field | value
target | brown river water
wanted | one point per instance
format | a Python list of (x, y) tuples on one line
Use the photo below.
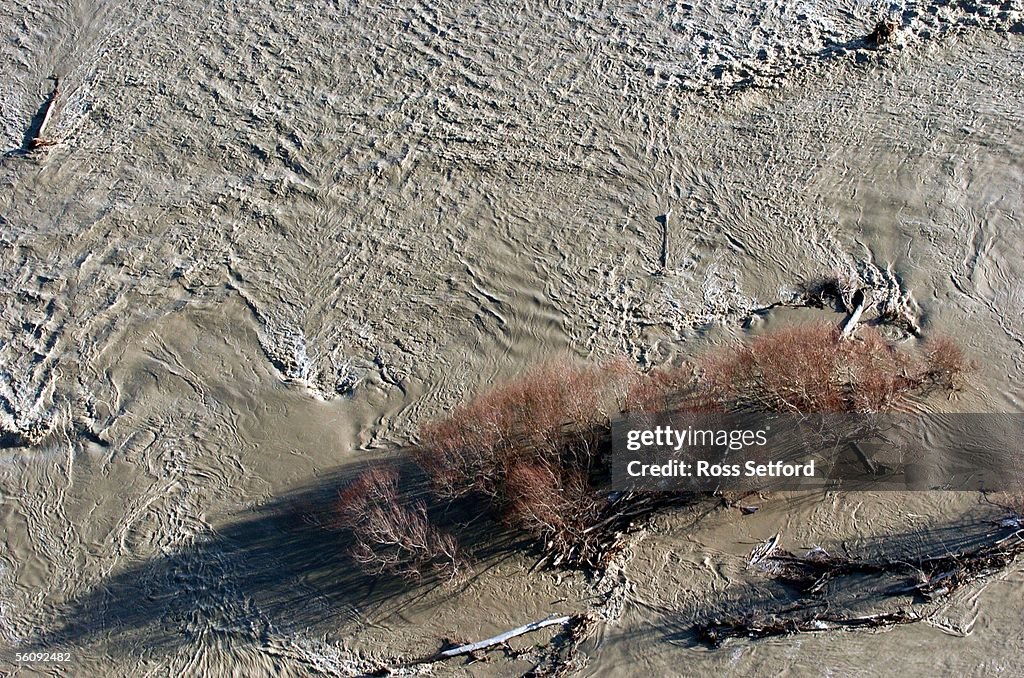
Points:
[(273, 238)]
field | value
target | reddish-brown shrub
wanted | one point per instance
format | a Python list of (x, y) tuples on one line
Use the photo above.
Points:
[(459, 453), (661, 389), (389, 536), (529, 448), (812, 369), (552, 501), (788, 370), (947, 365), (551, 412), (878, 376)]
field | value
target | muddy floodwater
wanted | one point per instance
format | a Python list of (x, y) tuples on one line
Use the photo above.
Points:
[(271, 239)]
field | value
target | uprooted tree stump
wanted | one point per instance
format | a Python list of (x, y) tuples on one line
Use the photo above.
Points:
[(883, 33)]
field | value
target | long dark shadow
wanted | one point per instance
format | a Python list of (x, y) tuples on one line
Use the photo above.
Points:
[(286, 565)]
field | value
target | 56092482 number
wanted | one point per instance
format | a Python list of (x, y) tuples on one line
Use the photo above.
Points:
[(42, 656)]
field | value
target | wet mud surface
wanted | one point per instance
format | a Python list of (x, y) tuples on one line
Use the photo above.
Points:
[(270, 241)]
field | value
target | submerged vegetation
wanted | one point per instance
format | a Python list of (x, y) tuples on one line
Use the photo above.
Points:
[(391, 536), (531, 458), (532, 453), (813, 369)]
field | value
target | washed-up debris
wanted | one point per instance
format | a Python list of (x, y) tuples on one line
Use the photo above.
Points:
[(925, 579)]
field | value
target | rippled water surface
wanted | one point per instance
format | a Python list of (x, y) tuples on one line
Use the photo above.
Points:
[(273, 238)]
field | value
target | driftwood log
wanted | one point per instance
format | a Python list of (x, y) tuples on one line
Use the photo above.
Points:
[(502, 638), (861, 300), (716, 633), (664, 239), (40, 139), (928, 578), (574, 624), (925, 579)]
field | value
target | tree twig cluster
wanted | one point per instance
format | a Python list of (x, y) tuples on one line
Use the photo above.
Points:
[(390, 535)]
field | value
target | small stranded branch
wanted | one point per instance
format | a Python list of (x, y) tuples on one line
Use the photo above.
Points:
[(663, 259), (39, 139)]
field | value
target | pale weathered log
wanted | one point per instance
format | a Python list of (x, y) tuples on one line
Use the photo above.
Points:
[(40, 139), (503, 637), (851, 324)]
